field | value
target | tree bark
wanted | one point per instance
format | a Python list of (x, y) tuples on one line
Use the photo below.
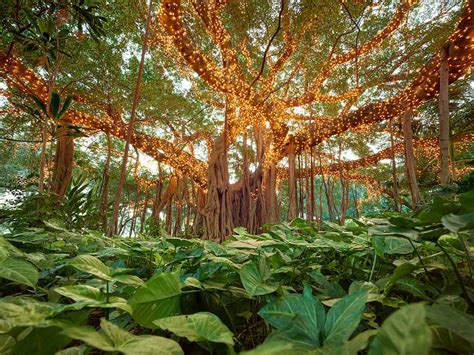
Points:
[(130, 129), (144, 211), (292, 198), (444, 117), (218, 222), (63, 160), (104, 198), (410, 166), (396, 201)]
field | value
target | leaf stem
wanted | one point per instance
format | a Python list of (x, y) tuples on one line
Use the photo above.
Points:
[(373, 266), (458, 275)]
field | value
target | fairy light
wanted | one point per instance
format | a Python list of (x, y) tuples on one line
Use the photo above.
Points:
[(260, 104)]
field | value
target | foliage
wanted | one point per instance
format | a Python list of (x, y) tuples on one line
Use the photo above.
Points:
[(76, 210), (396, 285)]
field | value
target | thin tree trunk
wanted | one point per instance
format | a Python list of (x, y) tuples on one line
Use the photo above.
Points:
[(44, 131), (134, 213), (312, 205), (130, 128), (104, 198), (145, 208), (444, 116), (44, 136), (394, 168), (293, 200), (410, 158), (63, 160), (356, 205)]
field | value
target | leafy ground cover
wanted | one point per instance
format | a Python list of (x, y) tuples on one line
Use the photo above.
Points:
[(395, 284)]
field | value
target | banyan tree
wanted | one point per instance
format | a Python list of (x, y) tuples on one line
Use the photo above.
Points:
[(273, 79)]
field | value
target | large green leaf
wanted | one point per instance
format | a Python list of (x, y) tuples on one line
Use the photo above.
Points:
[(128, 279), (256, 278), (391, 245), (447, 317), (412, 286), (158, 298), (446, 339), (467, 201), (41, 341), (24, 312), (457, 223), (19, 271), (344, 317), (401, 271), (55, 101), (94, 297), (390, 230), (200, 326), (280, 347), (113, 338), (277, 347), (405, 332), (298, 318), (7, 343), (351, 347), (91, 265), (65, 107)]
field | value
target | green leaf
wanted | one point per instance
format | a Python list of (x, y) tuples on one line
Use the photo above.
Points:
[(280, 347), (351, 347), (94, 297), (39, 104), (298, 318), (344, 317), (19, 271), (202, 326), (448, 340), (114, 338), (402, 221), (55, 101), (255, 277), (457, 223), (7, 343), (128, 279), (441, 206), (389, 230), (66, 105), (41, 341), (447, 317), (24, 312), (158, 298), (412, 286), (391, 245), (467, 201), (398, 273), (75, 350), (90, 264), (405, 332), (90, 336)]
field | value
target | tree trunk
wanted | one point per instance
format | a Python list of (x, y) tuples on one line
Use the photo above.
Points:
[(410, 167), (104, 198), (44, 136), (144, 211), (292, 198), (270, 199), (63, 160), (218, 210), (130, 129), (394, 168), (444, 116)]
